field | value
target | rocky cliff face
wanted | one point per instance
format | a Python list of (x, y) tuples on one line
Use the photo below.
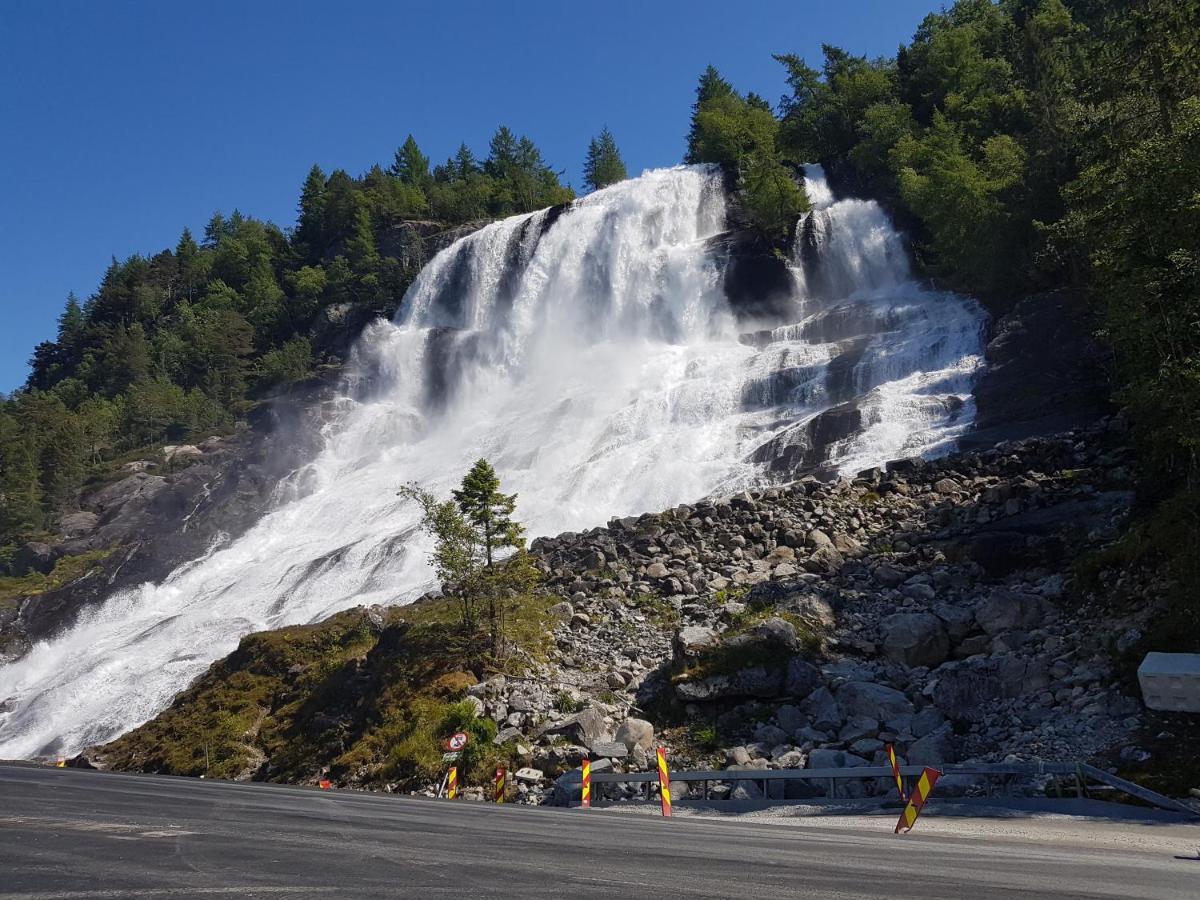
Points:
[(168, 508), (928, 605)]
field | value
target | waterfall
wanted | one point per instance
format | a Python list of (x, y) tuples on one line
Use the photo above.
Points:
[(591, 355)]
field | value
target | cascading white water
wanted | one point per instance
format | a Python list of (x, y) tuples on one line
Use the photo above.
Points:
[(592, 357)]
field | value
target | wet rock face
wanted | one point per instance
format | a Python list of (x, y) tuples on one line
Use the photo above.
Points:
[(169, 508), (1045, 373)]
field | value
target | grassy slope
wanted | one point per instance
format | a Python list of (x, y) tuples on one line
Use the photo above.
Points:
[(366, 695)]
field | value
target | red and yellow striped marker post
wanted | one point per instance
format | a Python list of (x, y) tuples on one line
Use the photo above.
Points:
[(452, 784), (585, 796), (920, 794), (500, 785), (664, 782), (896, 771)]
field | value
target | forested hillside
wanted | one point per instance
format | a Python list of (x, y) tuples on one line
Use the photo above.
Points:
[(185, 341)]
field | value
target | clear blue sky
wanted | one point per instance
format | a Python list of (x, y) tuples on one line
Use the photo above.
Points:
[(122, 121)]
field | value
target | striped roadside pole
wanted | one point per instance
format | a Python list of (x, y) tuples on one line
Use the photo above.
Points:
[(664, 782), (500, 785), (920, 794), (452, 785), (585, 796), (896, 771)]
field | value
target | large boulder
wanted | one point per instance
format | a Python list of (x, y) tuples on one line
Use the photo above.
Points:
[(834, 759), (824, 711), (585, 727), (876, 701), (801, 678), (934, 749), (1006, 610), (963, 689), (636, 733), (692, 641), (915, 639)]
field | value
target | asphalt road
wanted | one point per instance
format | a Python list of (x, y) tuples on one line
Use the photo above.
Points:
[(78, 834)]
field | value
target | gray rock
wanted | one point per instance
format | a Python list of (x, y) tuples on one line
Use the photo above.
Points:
[(529, 775), (77, 524), (756, 681), (859, 727), (636, 733), (504, 735), (866, 698), (790, 718), (927, 720), (915, 639), (834, 759), (610, 749), (957, 620), (934, 749), (702, 689), (562, 611), (770, 735), (825, 561), (918, 591), (585, 727), (746, 790), (779, 632), (888, 576), (801, 678), (657, 570), (1005, 610), (692, 640), (823, 709)]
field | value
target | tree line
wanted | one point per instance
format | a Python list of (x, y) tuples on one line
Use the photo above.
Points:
[(186, 341)]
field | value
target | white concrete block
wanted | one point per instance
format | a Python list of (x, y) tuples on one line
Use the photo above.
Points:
[(1171, 681)]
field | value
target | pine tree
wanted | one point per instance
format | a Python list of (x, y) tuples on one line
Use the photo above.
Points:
[(711, 87), (603, 165), (464, 162), (481, 501), (502, 153), (411, 165), (71, 323), (308, 237)]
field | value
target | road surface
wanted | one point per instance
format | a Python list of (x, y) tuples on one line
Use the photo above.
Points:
[(68, 833)]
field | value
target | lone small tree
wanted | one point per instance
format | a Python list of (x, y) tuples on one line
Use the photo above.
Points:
[(479, 550)]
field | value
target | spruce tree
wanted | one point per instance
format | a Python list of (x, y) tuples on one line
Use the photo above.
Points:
[(489, 510), (603, 165), (411, 165), (310, 228), (711, 87)]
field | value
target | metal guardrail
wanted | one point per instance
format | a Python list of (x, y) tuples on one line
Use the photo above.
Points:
[(1078, 772)]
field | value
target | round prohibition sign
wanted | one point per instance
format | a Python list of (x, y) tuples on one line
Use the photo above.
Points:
[(457, 742)]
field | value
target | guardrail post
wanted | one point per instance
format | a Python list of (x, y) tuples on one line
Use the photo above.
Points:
[(664, 782), (585, 787)]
